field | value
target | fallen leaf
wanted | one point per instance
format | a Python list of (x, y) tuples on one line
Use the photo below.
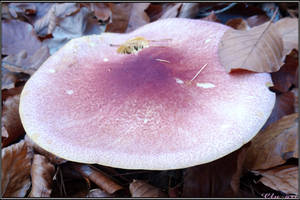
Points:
[(139, 188), (295, 91), (51, 157), (46, 24), (287, 76), (284, 105), (238, 24), (154, 11), (73, 26), (171, 11), (219, 178), (15, 170), (189, 10), (120, 17), (96, 176), (101, 11), (42, 173), (212, 17), (18, 36), (11, 120), (283, 178), (259, 49), (138, 16), (96, 193), (21, 9), (21, 62), (257, 20), (274, 145), (288, 30), (11, 92)]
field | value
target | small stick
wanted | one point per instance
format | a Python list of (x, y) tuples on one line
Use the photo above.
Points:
[(198, 73)]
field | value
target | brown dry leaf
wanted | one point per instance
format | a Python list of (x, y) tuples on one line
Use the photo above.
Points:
[(139, 188), (42, 173), (120, 17), (15, 170), (101, 11), (51, 157), (257, 20), (238, 24), (288, 30), (18, 36), (172, 10), (219, 178), (284, 105), (295, 91), (21, 9), (11, 120), (283, 178), (189, 10), (21, 62), (138, 16), (96, 176), (287, 76), (96, 193), (46, 24), (11, 92), (259, 49), (274, 145), (212, 17)]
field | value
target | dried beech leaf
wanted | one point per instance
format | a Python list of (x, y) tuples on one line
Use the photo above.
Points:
[(219, 178), (238, 24), (42, 173), (171, 11), (11, 120), (94, 193), (288, 30), (257, 20), (284, 105), (11, 92), (140, 189), (120, 17), (101, 11), (98, 178), (284, 179), (19, 9), (274, 145), (295, 91), (287, 75), (189, 10), (138, 16), (21, 62), (15, 170), (212, 17), (18, 36), (259, 49), (51, 157), (47, 23)]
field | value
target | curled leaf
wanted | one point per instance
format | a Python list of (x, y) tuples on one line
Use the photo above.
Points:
[(238, 23), (274, 145), (138, 16), (96, 176), (258, 49), (284, 179), (11, 121), (42, 173), (140, 189), (288, 30), (15, 170)]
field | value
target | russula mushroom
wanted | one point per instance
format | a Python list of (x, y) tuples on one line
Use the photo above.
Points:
[(90, 104)]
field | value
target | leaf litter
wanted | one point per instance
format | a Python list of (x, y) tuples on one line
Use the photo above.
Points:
[(47, 26)]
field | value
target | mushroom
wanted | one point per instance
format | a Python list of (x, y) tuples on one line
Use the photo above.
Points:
[(168, 106)]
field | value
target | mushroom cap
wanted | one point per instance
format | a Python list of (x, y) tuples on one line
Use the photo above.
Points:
[(87, 103)]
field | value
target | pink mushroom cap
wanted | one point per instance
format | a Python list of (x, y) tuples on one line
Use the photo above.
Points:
[(89, 104)]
